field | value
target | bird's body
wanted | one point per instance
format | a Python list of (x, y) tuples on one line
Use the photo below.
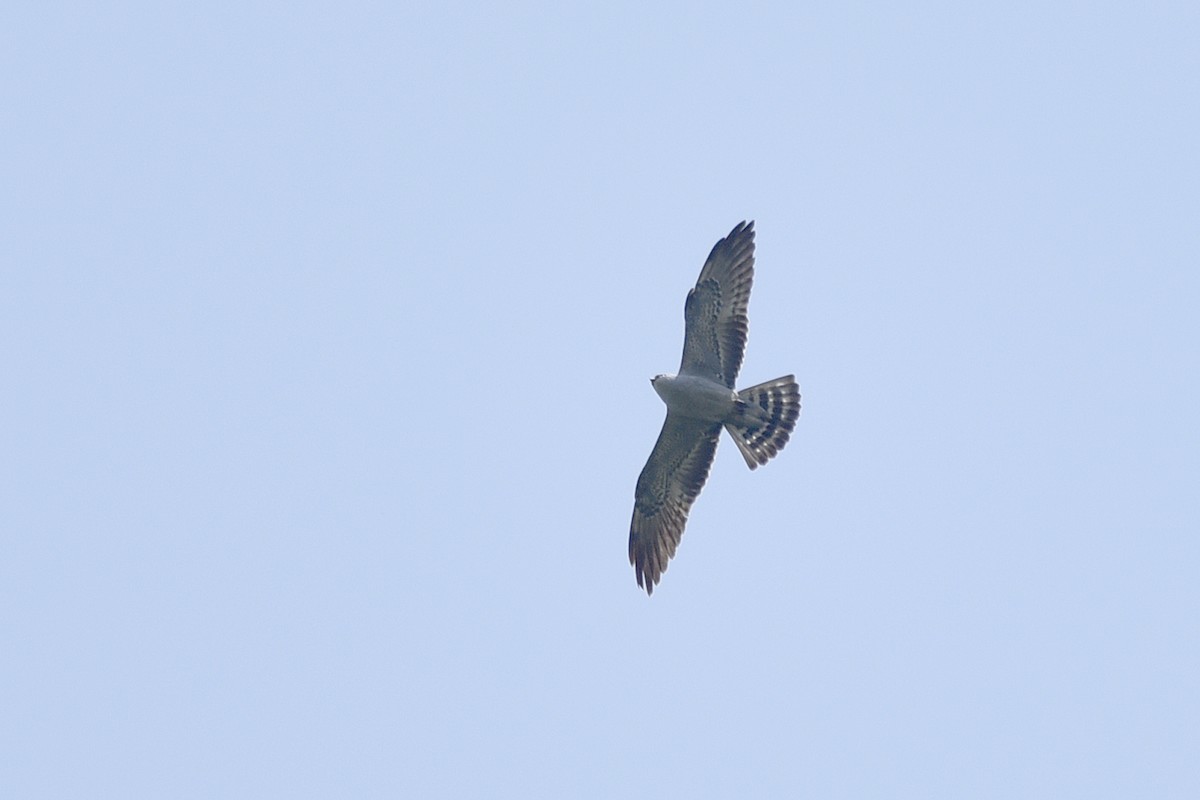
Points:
[(696, 396), (700, 400)]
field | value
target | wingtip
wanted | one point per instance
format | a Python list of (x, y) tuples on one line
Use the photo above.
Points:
[(745, 226), (641, 569), (645, 581)]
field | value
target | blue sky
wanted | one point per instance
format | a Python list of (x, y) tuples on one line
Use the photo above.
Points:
[(327, 335)]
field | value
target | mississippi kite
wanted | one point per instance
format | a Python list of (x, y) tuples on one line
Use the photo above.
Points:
[(701, 400)]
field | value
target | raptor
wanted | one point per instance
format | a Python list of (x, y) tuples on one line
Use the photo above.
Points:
[(701, 400)]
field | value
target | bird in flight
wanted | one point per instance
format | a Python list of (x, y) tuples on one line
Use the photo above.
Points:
[(701, 400)]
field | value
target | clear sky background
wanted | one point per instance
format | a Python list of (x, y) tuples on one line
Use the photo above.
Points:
[(327, 331)]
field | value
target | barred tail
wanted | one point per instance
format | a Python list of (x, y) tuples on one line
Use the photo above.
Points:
[(764, 419)]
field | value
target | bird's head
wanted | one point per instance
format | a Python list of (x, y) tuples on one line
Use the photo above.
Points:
[(662, 383)]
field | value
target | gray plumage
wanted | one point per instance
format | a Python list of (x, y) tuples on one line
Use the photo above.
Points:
[(700, 401)]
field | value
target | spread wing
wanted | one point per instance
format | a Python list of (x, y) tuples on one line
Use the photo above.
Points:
[(715, 314), (669, 483)]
